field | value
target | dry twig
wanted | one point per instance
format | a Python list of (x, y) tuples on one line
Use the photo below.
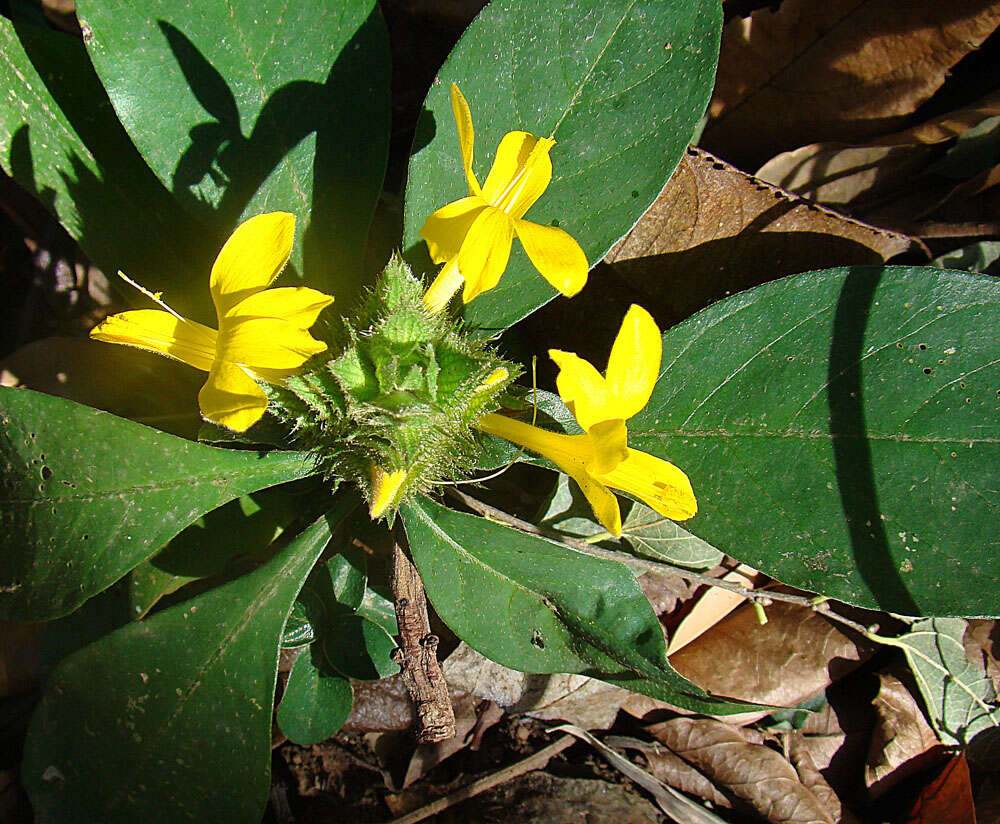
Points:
[(417, 652)]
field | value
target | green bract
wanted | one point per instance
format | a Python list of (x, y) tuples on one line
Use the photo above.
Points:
[(401, 395)]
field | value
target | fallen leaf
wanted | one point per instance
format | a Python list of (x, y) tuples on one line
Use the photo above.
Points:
[(714, 605), (801, 757), (715, 230), (678, 807), (903, 743), (753, 773), (380, 706), (834, 70), (793, 656), (580, 700), (673, 770), (982, 646), (947, 798), (839, 174)]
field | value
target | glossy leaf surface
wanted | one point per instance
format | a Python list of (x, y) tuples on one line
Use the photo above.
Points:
[(619, 84), (250, 107), (316, 702), (841, 429), (540, 607), (86, 496), (168, 719)]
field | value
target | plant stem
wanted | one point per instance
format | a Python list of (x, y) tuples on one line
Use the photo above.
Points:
[(417, 652)]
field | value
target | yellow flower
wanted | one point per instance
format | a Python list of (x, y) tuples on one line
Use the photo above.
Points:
[(601, 458), (262, 332), (473, 235)]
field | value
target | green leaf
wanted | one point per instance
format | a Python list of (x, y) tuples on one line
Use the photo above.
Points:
[(841, 429), (315, 703), (204, 549), (540, 607), (619, 84), (243, 108), (960, 696), (168, 719), (86, 496), (61, 141), (353, 645), (976, 257), (651, 534)]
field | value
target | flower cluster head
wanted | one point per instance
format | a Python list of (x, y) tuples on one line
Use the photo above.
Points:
[(262, 332), (393, 406), (600, 459), (473, 236)]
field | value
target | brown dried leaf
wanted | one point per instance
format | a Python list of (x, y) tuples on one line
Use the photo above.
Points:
[(673, 770), (794, 655), (802, 757), (715, 230), (834, 70), (838, 174), (713, 605), (982, 645), (583, 701), (903, 743), (380, 706), (753, 773)]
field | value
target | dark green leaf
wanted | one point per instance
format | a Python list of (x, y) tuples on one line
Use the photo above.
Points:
[(86, 496), (315, 703), (540, 607), (168, 719), (60, 139), (240, 527), (243, 108), (353, 646), (842, 432), (619, 84), (298, 630)]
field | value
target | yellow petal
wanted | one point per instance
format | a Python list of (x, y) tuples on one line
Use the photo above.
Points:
[(601, 500), (582, 388), (251, 259), (520, 173), (385, 489), (655, 482), (445, 286), (555, 254), (299, 305), (609, 441), (446, 229), (466, 137), (267, 343), (634, 364), (571, 453), (485, 253), (157, 331), (231, 398)]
